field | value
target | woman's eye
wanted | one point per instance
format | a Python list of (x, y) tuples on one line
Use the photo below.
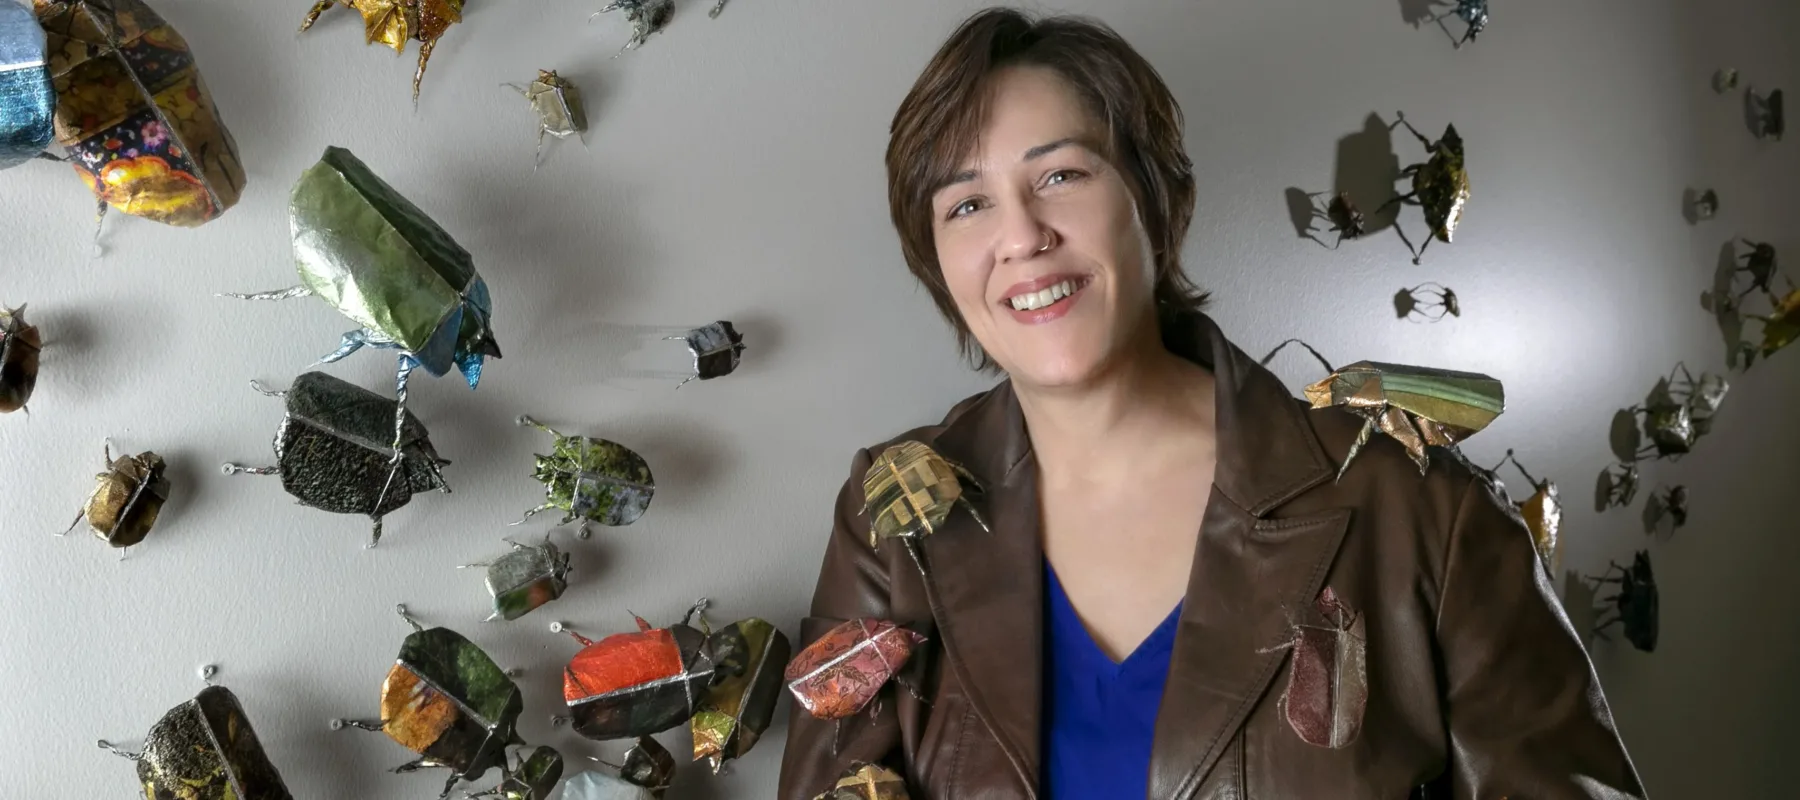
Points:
[(1061, 176), (964, 208)]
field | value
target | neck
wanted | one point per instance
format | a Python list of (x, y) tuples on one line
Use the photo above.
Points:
[(1148, 404)]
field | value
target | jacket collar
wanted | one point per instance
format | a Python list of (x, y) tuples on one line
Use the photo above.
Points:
[(986, 590)]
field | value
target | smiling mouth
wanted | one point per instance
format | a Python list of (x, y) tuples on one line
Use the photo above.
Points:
[(1046, 297)]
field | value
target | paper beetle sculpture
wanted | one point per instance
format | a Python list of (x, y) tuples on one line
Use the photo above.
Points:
[(533, 779), (1328, 683), (592, 480), (447, 701), (1678, 412), (646, 17), (1417, 406), (735, 712), (716, 348), (1473, 13), (330, 453), (1770, 117), (379, 260), (1703, 397), (19, 346), (1705, 205), (867, 782), (126, 498), (134, 115), (526, 578), (637, 684), (841, 673), (1724, 80), (1635, 604), (1780, 327), (205, 749), (909, 491), (395, 22), (645, 775), (1428, 300), (1760, 263), (27, 100), (1346, 219), (1671, 503), (1621, 487), (1440, 187), (1542, 512), (557, 104)]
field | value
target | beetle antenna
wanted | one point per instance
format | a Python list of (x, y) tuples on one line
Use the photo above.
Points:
[(1309, 348), (407, 615), (265, 391)]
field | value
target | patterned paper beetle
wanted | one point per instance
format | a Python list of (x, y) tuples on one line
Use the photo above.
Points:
[(526, 578), (331, 455), (19, 346), (449, 702), (841, 673), (593, 480), (637, 684), (395, 22), (205, 749), (1440, 187), (909, 491), (126, 498)]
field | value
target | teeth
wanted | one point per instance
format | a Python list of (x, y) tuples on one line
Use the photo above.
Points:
[(1031, 301)]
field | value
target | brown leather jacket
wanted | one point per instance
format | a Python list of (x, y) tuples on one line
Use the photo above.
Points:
[(1477, 685)]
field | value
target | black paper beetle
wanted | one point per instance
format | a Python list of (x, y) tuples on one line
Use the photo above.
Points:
[(1634, 607), (1767, 111), (332, 450), (1347, 221), (1760, 263)]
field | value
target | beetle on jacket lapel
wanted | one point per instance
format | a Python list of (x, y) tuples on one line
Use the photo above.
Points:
[(909, 492), (1328, 683)]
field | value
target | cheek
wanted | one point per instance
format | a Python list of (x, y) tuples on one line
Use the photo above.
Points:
[(965, 271)]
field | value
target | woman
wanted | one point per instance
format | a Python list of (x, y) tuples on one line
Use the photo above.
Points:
[(1156, 610)]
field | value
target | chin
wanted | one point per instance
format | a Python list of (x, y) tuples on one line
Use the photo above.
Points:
[(1059, 368)]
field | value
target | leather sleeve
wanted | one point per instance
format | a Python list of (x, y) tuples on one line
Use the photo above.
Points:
[(853, 583), (1525, 711)]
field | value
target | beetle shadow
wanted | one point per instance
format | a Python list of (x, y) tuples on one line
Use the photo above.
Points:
[(1603, 485), (685, 457), (1367, 168), (1303, 212), (1623, 437), (1579, 603), (1722, 302), (1405, 303), (1690, 211), (1655, 510), (67, 335), (1417, 12), (187, 474), (1754, 108)]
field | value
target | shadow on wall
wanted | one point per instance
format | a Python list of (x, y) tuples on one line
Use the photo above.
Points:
[(1417, 12), (1723, 304), (1367, 168)]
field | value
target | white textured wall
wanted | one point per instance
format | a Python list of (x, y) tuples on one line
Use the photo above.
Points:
[(734, 171)]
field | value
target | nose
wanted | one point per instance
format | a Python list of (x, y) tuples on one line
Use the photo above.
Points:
[(1023, 235)]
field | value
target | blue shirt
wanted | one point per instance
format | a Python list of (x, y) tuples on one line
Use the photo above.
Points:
[(1099, 716)]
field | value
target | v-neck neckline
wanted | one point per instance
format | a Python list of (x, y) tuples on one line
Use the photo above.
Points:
[(1162, 636)]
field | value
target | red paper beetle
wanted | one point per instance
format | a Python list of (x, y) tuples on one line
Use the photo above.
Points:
[(635, 684), (839, 674)]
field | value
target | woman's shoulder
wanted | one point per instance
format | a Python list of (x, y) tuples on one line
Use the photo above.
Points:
[(1384, 473)]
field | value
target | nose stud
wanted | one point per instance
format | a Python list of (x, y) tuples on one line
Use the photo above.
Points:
[(1049, 239)]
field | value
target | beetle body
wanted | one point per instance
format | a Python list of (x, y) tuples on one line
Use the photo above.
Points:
[(840, 674), (534, 779), (395, 22), (646, 17), (867, 782), (592, 480), (126, 498), (331, 450), (910, 489), (557, 103), (526, 578), (737, 710), (638, 684), (1635, 606), (134, 115), (19, 347), (1440, 186), (449, 702), (205, 749), (1416, 406), (717, 349), (27, 98)]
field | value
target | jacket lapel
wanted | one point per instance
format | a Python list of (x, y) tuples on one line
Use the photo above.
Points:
[(986, 589), (1249, 572)]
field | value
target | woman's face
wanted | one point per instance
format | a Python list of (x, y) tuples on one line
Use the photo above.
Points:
[(1039, 238)]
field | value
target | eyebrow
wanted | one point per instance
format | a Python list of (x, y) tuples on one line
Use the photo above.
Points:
[(1032, 154)]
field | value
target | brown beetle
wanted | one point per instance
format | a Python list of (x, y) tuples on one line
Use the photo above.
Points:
[(19, 345), (124, 503)]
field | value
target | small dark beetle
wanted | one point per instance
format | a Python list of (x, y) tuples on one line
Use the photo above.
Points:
[(1771, 118), (1635, 604), (126, 499), (1346, 219), (533, 779), (716, 348), (332, 450), (1706, 205), (526, 578), (1760, 263), (1673, 502), (205, 749), (1473, 13), (19, 346), (1622, 486)]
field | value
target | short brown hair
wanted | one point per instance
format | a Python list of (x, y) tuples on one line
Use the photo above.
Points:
[(940, 121)]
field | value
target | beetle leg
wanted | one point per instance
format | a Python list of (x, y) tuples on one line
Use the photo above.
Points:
[(1409, 245), (1420, 253), (529, 514), (276, 294), (1362, 438), (361, 724), (117, 751), (232, 469), (449, 784), (976, 513), (313, 16), (78, 517), (1400, 119)]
